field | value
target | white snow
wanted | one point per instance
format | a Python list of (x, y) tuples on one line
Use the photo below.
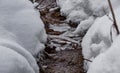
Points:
[(85, 7), (80, 11), (109, 61), (98, 40), (12, 62), (60, 2), (84, 25), (97, 11), (20, 18), (22, 36), (92, 15), (103, 7), (13, 57), (77, 16), (74, 9), (99, 32)]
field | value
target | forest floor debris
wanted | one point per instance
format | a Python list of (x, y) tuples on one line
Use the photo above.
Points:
[(65, 51)]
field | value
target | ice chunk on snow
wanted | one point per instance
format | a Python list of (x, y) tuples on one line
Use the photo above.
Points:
[(109, 61), (20, 18)]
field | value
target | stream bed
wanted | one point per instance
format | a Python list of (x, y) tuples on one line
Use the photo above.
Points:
[(65, 51)]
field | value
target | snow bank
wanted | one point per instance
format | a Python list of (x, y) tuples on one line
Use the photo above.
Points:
[(20, 18), (60, 2), (92, 15), (99, 32), (109, 61), (12, 62), (97, 11), (22, 36), (98, 38), (84, 25), (80, 11), (13, 57), (103, 7), (75, 10)]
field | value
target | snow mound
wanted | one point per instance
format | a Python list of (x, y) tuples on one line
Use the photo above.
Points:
[(22, 36), (84, 25), (97, 11), (21, 19), (98, 39), (100, 10), (99, 32), (13, 57), (109, 61), (75, 10), (80, 11), (12, 62), (60, 2), (77, 16)]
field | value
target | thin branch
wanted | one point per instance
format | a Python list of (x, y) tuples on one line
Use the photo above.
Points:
[(113, 15), (87, 60)]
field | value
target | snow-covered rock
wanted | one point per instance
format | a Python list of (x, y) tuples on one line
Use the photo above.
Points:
[(109, 61), (20, 18), (13, 57)]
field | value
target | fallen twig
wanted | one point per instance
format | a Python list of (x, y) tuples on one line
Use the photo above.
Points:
[(113, 15), (87, 60)]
